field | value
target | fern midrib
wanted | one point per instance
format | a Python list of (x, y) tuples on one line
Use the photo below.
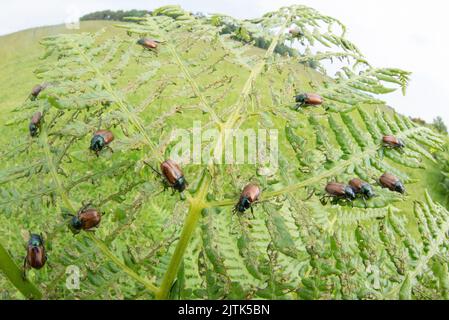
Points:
[(356, 158), (59, 187), (62, 192), (194, 85), (198, 202)]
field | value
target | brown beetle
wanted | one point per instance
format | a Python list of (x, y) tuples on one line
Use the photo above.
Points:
[(361, 187), (86, 219), (35, 123), (391, 182), (173, 175), (36, 90), (101, 139), (338, 191), (36, 256), (148, 43), (308, 99), (393, 142), (249, 195), (296, 33)]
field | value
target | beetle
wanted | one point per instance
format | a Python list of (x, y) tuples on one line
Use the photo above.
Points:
[(391, 182), (393, 142), (35, 123), (249, 195), (296, 32), (148, 43), (87, 218), (361, 187), (36, 90), (173, 175), (308, 99), (36, 256), (338, 191), (101, 139)]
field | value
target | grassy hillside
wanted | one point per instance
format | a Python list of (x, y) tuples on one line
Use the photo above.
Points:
[(293, 247), (20, 53)]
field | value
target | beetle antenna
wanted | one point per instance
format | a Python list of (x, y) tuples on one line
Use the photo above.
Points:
[(152, 168), (26, 99)]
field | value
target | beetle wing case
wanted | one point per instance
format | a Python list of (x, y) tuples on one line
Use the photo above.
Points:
[(389, 181), (90, 218), (335, 189), (392, 141), (36, 118), (106, 134), (314, 99), (171, 171), (36, 257), (356, 184), (252, 192)]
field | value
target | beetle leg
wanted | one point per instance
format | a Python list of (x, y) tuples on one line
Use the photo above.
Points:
[(85, 206), (182, 196), (67, 215), (310, 195), (323, 200)]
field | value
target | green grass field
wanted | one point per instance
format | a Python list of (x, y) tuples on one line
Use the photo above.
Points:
[(294, 247)]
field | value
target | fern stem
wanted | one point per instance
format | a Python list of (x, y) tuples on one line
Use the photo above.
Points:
[(14, 274), (186, 234), (196, 207)]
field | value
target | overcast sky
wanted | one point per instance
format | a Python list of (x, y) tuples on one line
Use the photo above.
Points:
[(408, 34)]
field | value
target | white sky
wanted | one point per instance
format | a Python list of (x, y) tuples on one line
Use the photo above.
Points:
[(408, 34)]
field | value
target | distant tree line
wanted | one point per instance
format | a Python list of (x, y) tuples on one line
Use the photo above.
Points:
[(438, 124), (114, 15)]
